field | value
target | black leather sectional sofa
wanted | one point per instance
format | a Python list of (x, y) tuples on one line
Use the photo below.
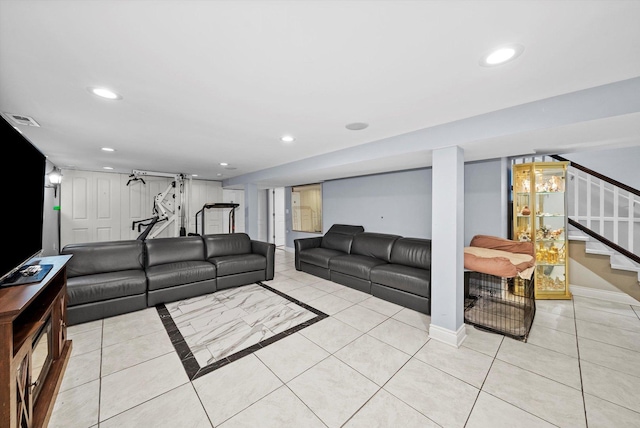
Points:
[(111, 278), (391, 267)]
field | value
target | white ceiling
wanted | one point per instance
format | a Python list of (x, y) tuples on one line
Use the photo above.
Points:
[(205, 82)]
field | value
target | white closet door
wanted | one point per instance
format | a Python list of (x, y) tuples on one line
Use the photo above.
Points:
[(90, 207), (97, 207), (206, 192)]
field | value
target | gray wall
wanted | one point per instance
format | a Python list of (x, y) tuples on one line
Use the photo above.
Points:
[(397, 203), (400, 202), (619, 164), (486, 195)]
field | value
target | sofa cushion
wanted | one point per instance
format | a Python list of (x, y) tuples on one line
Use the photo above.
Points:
[(170, 250), (354, 265), (319, 256), (105, 286), (225, 244), (100, 257), (377, 245), (340, 236), (179, 273), (230, 265), (412, 252), (410, 279)]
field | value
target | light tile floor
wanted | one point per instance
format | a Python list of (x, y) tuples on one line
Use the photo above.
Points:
[(370, 364)]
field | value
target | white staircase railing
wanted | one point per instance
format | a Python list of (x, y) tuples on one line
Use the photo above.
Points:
[(606, 209)]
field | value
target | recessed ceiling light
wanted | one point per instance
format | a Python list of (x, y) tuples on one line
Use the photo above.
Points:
[(108, 149), (223, 164), (219, 175), (107, 167), (194, 175), (105, 93), (501, 55), (357, 126), (287, 139)]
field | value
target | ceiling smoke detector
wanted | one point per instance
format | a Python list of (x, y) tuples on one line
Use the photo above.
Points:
[(357, 126), (21, 119)]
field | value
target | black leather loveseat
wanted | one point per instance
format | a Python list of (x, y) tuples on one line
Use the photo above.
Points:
[(391, 267), (111, 278)]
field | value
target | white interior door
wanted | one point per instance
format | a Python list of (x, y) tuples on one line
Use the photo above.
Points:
[(263, 215), (279, 222), (90, 207)]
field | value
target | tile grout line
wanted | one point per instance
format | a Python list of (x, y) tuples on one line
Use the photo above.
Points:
[(100, 372), (286, 384), (333, 355), (599, 309), (607, 325), (541, 375), (412, 356), (146, 401), (580, 363), (380, 387), (475, 401), (495, 357), (584, 403), (612, 369), (201, 403)]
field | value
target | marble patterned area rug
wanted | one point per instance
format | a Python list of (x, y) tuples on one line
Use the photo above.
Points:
[(213, 330)]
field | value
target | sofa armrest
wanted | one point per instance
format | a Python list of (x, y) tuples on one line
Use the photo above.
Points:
[(304, 244), (269, 251)]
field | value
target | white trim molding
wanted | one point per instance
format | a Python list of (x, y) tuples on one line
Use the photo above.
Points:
[(609, 296), (450, 337)]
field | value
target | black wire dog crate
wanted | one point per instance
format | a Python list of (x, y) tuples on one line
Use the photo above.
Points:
[(501, 305)]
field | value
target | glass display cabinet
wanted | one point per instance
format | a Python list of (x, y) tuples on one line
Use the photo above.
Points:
[(540, 215)]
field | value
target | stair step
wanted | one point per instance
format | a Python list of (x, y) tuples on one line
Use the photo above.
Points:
[(574, 234), (595, 247), (577, 236), (619, 261)]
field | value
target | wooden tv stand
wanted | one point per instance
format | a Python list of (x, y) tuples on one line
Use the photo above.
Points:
[(24, 311)]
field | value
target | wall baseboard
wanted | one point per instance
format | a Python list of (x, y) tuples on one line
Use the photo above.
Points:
[(453, 338), (609, 296)]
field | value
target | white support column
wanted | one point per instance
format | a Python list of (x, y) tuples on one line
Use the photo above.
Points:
[(251, 210), (447, 238)]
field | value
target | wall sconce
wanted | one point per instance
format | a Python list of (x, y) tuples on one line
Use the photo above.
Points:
[(55, 178)]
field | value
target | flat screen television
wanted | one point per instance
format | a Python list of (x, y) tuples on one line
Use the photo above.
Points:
[(22, 213)]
